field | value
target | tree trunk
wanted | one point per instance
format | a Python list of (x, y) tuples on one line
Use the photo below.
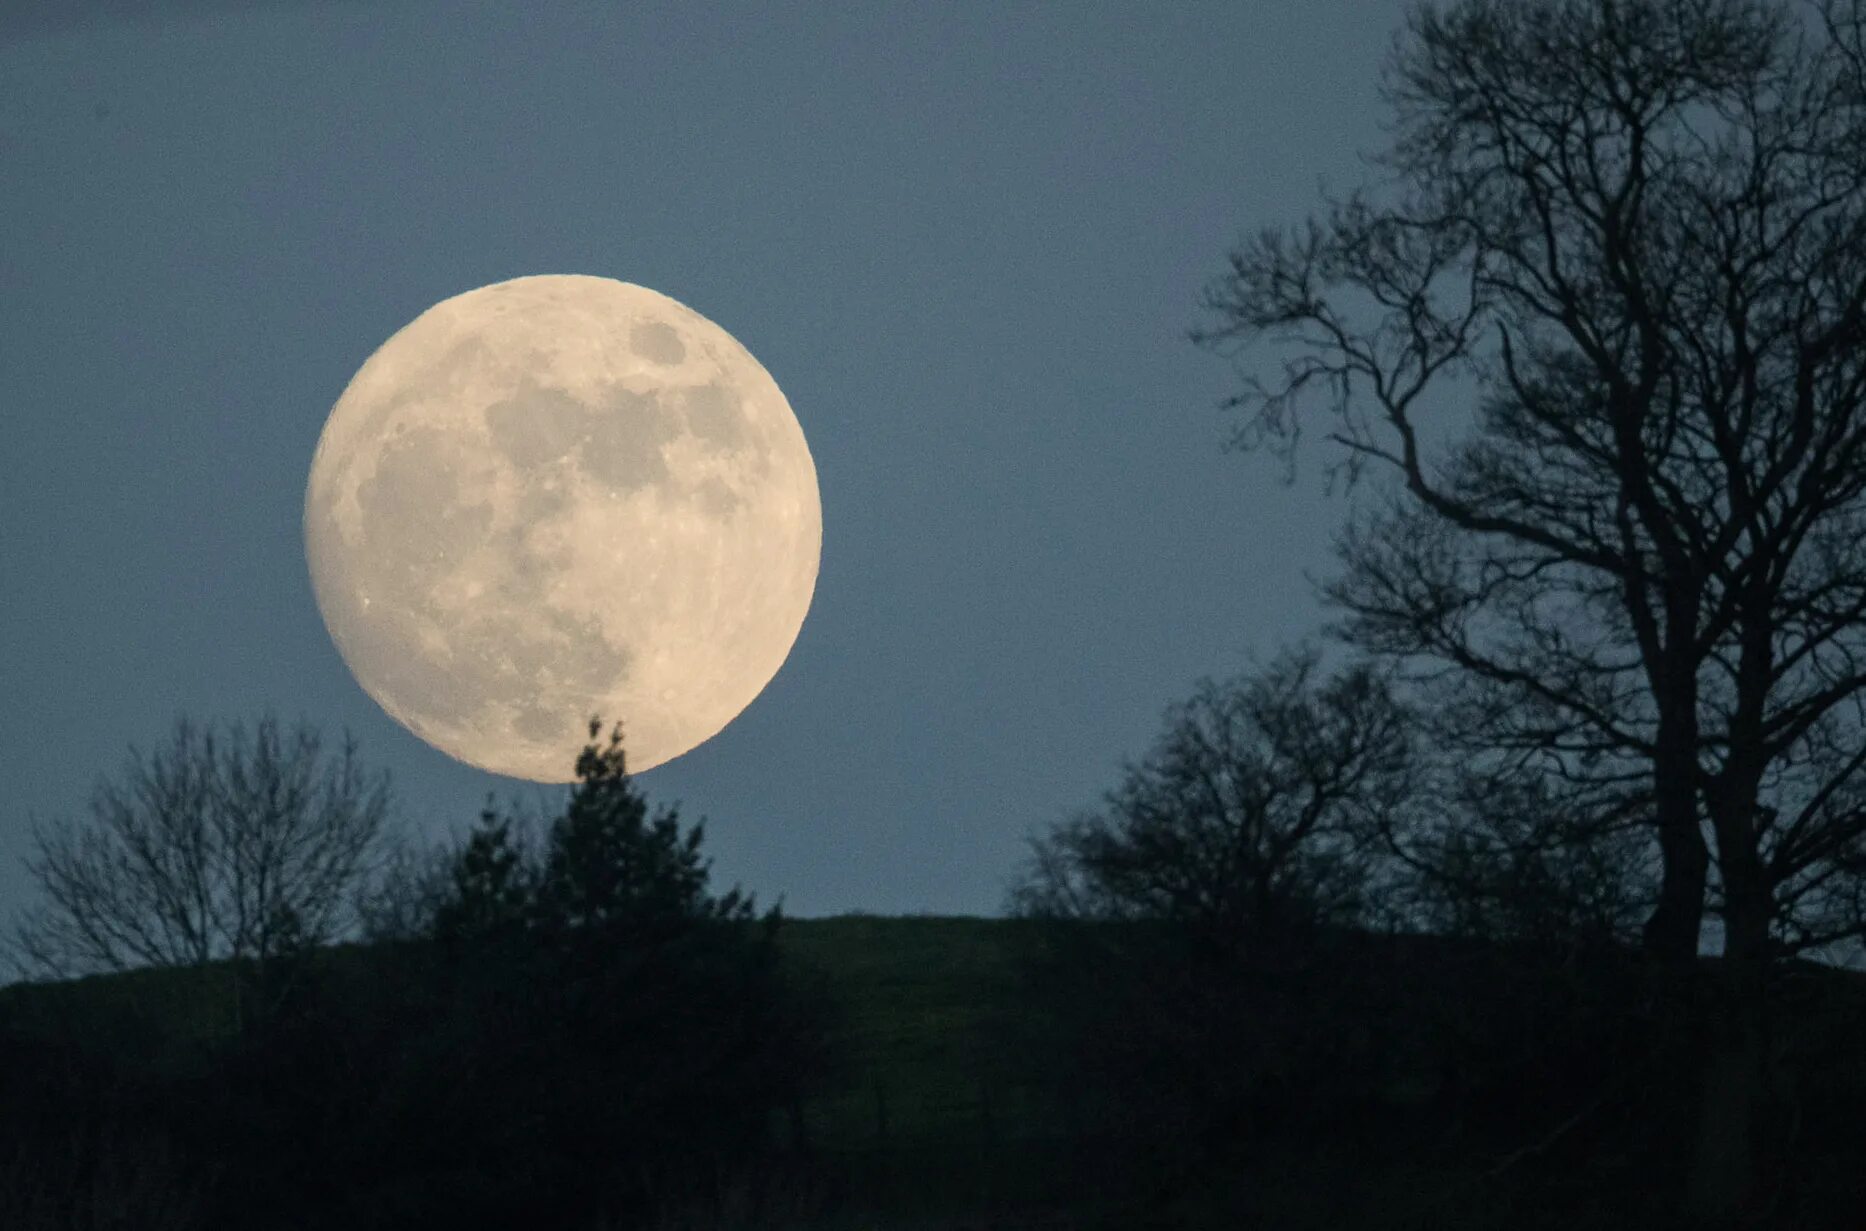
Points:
[(1672, 930), (1723, 1183)]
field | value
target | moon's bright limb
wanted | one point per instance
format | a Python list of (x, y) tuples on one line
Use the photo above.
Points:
[(555, 497)]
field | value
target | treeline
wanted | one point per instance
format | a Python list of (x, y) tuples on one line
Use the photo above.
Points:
[(1256, 986), (1304, 938), (555, 1025)]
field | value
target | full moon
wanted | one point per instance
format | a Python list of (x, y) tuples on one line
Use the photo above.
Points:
[(557, 497)]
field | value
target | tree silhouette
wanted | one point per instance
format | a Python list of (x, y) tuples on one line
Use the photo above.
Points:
[(489, 884), (612, 869), (1193, 926), (563, 1031), (1636, 228), (223, 844), (625, 1028), (1508, 856), (1249, 818)]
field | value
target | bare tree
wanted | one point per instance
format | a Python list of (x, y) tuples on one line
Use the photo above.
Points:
[(1638, 227), (1501, 854), (1251, 815), (1197, 947), (401, 896), (229, 844)]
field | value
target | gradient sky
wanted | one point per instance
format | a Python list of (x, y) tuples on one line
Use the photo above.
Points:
[(966, 239)]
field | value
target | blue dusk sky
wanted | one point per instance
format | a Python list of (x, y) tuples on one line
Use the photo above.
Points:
[(967, 240)]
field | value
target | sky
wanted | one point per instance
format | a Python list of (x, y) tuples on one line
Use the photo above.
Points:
[(967, 240)]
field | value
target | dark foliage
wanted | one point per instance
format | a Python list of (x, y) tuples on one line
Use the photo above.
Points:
[(1600, 331), (227, 843), (1229, 970), (1192, 927), (582, 1034)]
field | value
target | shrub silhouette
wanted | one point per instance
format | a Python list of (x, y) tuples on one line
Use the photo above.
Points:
[(582, 1030)]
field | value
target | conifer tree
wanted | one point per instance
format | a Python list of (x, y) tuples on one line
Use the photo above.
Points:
[(490, 884), (611, 869)]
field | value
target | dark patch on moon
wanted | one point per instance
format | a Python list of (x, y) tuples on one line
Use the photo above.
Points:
[(419, 527), (464, 363), (416, 518), (716, 498), (498, 658), (657, 342), (537, 425), (716, 418), (526, 643), (531, 567), (541, 725), (541, 496), (627, 431), (616, 439), (512, 657)]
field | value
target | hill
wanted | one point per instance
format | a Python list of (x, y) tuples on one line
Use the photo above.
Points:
[(939, 1107)]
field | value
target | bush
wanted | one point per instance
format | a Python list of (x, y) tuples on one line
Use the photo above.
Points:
[(579, 1016)]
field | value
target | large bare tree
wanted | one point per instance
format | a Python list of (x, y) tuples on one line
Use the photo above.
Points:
[(1631, 236), (221, 844)]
